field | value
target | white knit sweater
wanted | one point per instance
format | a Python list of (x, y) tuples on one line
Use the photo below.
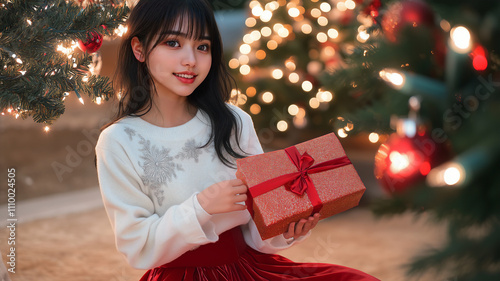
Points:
[(149, 177)]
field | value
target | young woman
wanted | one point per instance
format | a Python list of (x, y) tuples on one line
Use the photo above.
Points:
[(166, 164)]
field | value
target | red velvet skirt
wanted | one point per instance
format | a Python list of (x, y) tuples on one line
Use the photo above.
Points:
[(232, 260)]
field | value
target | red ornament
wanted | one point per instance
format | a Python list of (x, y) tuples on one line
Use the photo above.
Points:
[(373, 9), (92, 44), (479, 60), (402, 161), (409, 12)]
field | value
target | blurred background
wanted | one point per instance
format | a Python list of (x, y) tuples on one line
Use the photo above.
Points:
[(410, 87)]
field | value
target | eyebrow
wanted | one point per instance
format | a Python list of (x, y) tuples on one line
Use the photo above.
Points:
[(177, 33)]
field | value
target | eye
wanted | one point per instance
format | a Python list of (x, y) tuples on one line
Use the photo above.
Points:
[(172, 43), (204, 47)]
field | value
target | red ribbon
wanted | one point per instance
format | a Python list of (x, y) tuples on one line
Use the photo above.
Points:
[(297, 182)]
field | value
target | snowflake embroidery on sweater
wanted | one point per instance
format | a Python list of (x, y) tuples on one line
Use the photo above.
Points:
[(130, 132), (159, 167), (190, 150)]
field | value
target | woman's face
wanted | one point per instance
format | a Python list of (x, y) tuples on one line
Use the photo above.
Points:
[(179, 64)]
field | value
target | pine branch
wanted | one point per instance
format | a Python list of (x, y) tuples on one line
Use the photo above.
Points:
[(36, 75)]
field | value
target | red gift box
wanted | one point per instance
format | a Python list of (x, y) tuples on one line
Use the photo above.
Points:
[(290, 184)]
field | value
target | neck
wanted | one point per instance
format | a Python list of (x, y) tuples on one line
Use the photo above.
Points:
[(167, 112)]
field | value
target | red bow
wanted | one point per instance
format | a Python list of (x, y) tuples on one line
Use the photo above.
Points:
[(300, 184)]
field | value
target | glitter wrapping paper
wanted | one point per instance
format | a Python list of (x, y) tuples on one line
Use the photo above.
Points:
[(339, 189)]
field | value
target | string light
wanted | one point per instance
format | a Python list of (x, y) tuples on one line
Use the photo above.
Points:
[(266, 31), (341, 6), (363, 36), (67, 50), (245, 69), (395, 78), (257, 11), (253, 4), (294, 12), (251, 91), (267, 97), (324, 96), (242, 99), (448, 174), (293, 77), (290, 65), (282, 126), (248, 39), (479, 60), (98, 100), (325, 7), (234, 63), (271, 6), (349, 4), (461, 39), (293, 110), (445, 25), (272, 45), (245, 49), (306, 28), (314, 103), (120, 30), (266, 16), (349, 127), (277, 74), (260, 54), (399, 161), (341, 133), (322, 37), (46, 129), (250, 22), (315, 12), (323, 21), (255, 109), (283, 32), (243, 59), (307, 86), (255, 35), (374, 137), (300, 122)]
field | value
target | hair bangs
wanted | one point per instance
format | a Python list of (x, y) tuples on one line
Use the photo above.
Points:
[(199, 23)]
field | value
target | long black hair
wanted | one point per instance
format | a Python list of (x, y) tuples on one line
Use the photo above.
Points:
[(150, 21)]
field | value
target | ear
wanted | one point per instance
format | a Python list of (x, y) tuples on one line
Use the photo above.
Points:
[(137, 49)]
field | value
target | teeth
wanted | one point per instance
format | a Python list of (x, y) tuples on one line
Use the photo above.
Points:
[(185, 76)]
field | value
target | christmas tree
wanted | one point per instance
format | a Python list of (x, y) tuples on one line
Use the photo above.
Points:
[(39, 53), (422, 78), (287, 47)]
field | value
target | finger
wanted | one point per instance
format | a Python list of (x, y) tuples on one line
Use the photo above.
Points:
[(240, 198), (300, 226), (238, 207), (316, 219), (291, 230), (236, 182), (307, 226), (240, 189)]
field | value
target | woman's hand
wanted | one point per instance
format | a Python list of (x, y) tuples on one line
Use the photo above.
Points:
[(302, 227), (223, 197)]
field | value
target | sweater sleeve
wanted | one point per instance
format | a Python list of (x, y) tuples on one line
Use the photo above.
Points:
[(146, 239), (250, 231)]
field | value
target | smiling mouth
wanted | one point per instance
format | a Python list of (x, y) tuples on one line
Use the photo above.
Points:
[(186, 76)]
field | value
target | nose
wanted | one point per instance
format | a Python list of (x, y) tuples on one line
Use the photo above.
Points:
[(188, 57)]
